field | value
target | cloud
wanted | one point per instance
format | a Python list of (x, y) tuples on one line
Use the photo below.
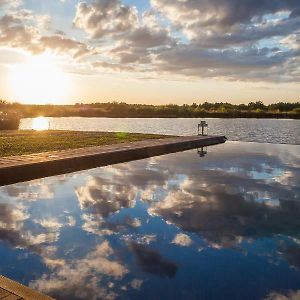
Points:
[(150, 261), (37, 189), (144, 239), (105, 17), (292, 295), (63, 45), (10, 3), (182, 239), (257, 64), (235, 28), (133, 41), (14, 232), (221, 14), (103, 199), (51, 224), (229, 40), (136, 284), (22, 30), (80, 278)]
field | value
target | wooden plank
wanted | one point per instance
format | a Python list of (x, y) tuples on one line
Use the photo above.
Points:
[(12, 297), (21, 291), (3, 293)]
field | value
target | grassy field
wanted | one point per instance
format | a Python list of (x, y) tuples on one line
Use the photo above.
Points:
[(25, 142)]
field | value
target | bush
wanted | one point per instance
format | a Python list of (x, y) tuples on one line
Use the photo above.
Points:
[(296, 110), (9, 120)]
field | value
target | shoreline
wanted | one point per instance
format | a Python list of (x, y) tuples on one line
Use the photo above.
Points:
[(165, 117)]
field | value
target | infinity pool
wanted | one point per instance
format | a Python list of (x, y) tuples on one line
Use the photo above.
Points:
[(192, 225)]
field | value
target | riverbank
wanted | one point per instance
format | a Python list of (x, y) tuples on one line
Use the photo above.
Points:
[(20, 142)]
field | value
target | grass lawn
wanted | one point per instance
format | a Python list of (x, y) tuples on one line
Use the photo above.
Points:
[(24, 142)]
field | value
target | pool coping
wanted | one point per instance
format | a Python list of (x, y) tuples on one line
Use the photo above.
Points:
[(14, 169), (13, 290)]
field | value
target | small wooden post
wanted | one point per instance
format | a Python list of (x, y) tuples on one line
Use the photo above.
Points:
[(202, 125)]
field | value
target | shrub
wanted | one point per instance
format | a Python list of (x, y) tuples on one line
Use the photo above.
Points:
[(9, 120), (296, 110)]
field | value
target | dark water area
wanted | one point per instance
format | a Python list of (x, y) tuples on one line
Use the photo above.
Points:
[(275, 131), (192, 225)]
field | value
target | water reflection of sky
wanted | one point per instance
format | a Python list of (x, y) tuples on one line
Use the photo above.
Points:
[(178, 226)]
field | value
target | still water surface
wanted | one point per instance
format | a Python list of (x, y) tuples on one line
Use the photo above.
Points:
[(250, 130), (178, 226)]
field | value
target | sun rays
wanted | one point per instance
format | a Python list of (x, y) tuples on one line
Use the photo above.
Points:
[(39, 80)]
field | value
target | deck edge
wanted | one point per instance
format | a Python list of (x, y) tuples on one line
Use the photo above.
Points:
[(119, 153), (21, 290)]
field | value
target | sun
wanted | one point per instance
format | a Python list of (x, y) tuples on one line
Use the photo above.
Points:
[(38, 81)]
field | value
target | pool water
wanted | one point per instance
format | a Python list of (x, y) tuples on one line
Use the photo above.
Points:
[(225, 225)]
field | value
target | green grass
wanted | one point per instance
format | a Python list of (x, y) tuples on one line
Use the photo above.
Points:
[(26, 142)]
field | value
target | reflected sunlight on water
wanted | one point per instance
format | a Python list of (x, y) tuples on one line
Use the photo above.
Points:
[(249, 130), (40, 123)]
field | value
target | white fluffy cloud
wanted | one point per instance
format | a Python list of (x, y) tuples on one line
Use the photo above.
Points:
[(104, 17), (80, 277), (182, 239), (25, 30)]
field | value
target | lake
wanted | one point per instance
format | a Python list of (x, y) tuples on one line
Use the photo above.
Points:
[(215, 223), (250, 130)]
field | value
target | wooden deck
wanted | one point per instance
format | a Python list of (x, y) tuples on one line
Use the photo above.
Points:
[(15, 169), (12, 290)]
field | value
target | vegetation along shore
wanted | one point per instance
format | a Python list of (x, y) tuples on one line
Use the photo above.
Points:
[(120, 109)]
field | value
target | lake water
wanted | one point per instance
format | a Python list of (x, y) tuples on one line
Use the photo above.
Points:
[(178, 226), (250, 130)]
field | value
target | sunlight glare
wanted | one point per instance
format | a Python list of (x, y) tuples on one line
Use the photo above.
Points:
[(40, 123), (38, 81)]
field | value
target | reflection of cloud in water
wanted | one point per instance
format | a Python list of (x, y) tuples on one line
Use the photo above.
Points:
[(182, 239), (30, 191), (136, 284), (104, 199), (145, 239), (222, 217), (228, 198), (236, 193), (150, 261), (82, 278), (13, 231), (292, 295), (100, 226), (52, 224)]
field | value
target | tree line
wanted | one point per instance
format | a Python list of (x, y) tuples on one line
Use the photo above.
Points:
[(121, 109)]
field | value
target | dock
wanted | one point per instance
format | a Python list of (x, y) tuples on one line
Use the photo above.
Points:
[(12, 290), (14, 169)]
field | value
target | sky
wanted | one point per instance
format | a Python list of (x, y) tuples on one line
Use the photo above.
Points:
[(149, 51)]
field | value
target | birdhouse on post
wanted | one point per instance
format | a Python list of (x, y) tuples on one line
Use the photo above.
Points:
[(201, 128), (202, 151)]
